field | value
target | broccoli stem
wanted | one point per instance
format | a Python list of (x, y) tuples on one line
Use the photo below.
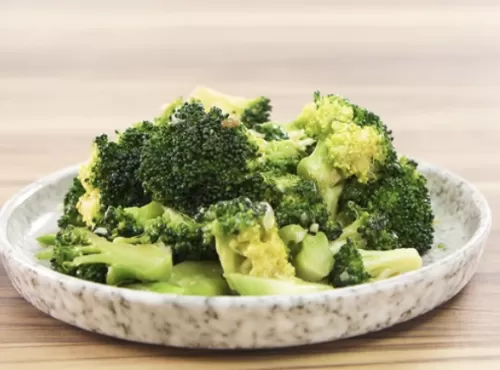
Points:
[(47, 239), (145, 213), (45, 254), (384, 264), (349, 232), (144, 262)]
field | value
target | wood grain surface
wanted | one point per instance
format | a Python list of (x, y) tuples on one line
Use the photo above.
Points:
[(71, 70)]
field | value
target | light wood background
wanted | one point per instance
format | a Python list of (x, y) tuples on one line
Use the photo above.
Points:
[(72, 69)]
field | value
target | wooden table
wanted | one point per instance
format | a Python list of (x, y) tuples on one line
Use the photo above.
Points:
[(431, 70)]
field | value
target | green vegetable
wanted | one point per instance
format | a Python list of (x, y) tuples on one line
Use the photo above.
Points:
[(250, 111), (354, 266), (401, 195), (110, 176), (247, 238), (213, 197), (131, 221), (203, 278), (182, 233), (315, 258), (247, 285), (79, 252), (351, 142)]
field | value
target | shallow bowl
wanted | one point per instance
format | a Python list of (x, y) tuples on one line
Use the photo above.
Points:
[(463, 226)]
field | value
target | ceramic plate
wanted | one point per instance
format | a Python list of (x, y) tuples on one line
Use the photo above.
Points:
[(463, 225)]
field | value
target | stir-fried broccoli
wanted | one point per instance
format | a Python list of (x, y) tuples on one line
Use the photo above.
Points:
[(203, 157), (110, 176), (247, 238), (354, 266), (196, 160), (368, 229), (250, 111), (71, 215), (271, 131), (351, 142), (81, 253), (214, 197), (182, 233), (130, 221), (297, 201), (402, 196)]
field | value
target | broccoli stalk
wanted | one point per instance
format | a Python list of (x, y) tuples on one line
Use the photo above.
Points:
[(354, 266), (81, 253)]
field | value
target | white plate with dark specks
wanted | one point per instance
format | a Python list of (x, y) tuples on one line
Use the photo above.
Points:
[(464, 222)]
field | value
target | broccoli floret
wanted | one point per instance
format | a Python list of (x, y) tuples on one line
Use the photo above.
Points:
[(368, 229), (130, 221), (278, 155), (271, 131), (70, 215), (247, 238), (182, 233), (200, 158), (354, 266), (110, 175), (296, 201), (403, 197), (250, 111), (351, 142), (204, 157), (81, 253)]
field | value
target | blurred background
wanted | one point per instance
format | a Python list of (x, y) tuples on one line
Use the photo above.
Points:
[(70, 70)]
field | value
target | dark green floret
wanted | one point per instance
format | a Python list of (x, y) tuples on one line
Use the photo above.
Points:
[(70, 215), (198, 159), (249, 111), (403, 197), (353, 266)]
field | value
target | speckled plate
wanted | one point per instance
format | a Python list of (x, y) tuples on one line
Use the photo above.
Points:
[(464, 222)]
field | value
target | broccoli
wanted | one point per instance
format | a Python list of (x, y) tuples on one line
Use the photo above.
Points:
[(70, 215), (81, 253), (271, 131), (197, 160), (402, 196), (110, 176), (247, 238), (368, 229), (351, 142), (130, 221), (354, 266), (204, 157), (296, 201), (182, 233), (250, 112), (168, 112)]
